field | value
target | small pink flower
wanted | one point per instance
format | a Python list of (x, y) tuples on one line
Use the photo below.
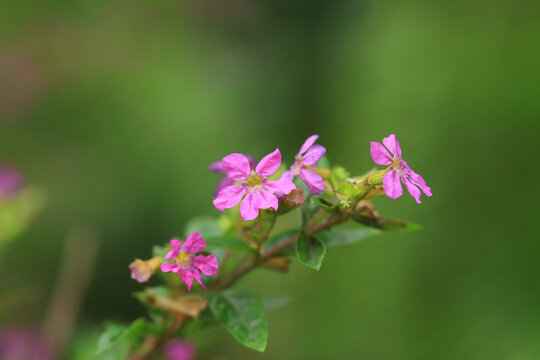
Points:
[(11, 181), (308, 155), (254, 184), (186, 263), (399, 170), (217, 167), (179, 350)]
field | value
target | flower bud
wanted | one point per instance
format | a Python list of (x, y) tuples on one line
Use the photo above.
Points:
[(291, 201), (142, 270), (376, 178)]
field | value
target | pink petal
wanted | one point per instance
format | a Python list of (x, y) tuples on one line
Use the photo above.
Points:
[(267, 200), (207, 264), (282, 185), (176, 248), (313, 155), (223, 183), (236, 166), (187, 278), (287, 175), (418, 181), (379, 154), (229, 197), (269, 164), (249, 209), (307, 144), (393, 145), (168, 267), (197, 275), (413, 190), (392, 185), (179, 350), (194, 243), (314, 181)]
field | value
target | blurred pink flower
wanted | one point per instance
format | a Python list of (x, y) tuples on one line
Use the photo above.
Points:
[(142, 270), (186, 263), (11, 181), (255, 185), (399, 170), (23, 344), (179, 350), (308, 155)]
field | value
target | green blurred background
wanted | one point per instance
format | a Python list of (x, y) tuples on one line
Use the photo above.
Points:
[(116, 108)]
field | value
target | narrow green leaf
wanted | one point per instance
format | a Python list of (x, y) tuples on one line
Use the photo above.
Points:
[(341, 237), (275, 303), (387, 224), (310, 251), (243, 315), (225, 242), (204, 225), (114, 334)]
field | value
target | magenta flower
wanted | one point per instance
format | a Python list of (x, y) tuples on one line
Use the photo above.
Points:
[(11, 181), (399, 170), (254, 184), (186, 263), (179, 350), (308, 155), (217, 167)]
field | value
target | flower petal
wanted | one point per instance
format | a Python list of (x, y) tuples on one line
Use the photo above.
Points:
[(269, 164), (197, 275), (207, 264), (223, 183), (267, 200), (379, 154), (168, 267), (418, 181), (236, 166), (287, 175), (313, 155), (413, 190), (249, 209), (194, 243), (314, 181), (187, 278), (282, 185), (307, 144), (392, 185), (229, 197), (392, 144), (176, 248)]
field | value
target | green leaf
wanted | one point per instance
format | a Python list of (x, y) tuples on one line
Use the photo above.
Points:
[(243, 315), (324, 203), (275, 303), (341, 237), (225, 242), (310, 251), (278, 239), (205, 225), (114, 334), (387, 224)]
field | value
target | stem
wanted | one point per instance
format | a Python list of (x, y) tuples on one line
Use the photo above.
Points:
[(152, 343)]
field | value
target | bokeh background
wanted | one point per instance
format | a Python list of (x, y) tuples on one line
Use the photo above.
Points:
[(115, 108)]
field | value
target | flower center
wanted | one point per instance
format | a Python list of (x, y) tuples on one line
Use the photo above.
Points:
[(254, 181), (184, 260), (397, 165), (297, 166)]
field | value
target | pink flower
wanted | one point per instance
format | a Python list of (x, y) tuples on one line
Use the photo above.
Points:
[(11, 181), (186, 263), (254, 184), (179, 350), (217, 167), (399, 170), (308, 155)]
